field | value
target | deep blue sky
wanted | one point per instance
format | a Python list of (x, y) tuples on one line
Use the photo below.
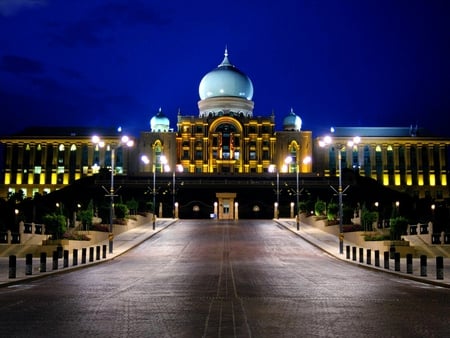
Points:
[(337, 62)]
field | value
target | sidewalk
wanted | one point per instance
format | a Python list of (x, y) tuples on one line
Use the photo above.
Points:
[(330, 244), (122, 243)]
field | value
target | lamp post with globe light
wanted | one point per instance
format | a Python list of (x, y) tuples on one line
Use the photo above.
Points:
[(327, 141), (305, 161), (146, 160), (124, 141)]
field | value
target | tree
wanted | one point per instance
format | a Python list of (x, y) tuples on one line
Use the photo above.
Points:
[(367, 218), (85, 216), (398, 226), (55, 224), (132, 206)]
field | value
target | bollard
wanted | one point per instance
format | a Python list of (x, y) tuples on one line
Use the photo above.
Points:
[(43, 262), (55, 260), (12, 266), (361, 255), (104, 250), (409, 263), (347, 250), (377, 258), (66, 258), (28, 264), (369, 257), (386, 259), (354, 253), (83, 256), (439, 267), (423, 265), (75, 257), (97, 252), (397, 261), (91, 254)]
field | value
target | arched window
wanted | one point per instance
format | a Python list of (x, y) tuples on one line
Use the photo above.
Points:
[(379, 163), (367, 164)]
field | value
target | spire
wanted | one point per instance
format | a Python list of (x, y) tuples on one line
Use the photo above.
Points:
[(225, 61)]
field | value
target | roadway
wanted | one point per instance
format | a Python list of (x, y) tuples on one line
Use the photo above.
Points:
[(204, 278)]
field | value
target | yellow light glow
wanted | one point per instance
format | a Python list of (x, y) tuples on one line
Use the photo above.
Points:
[(408, 179), (19, 178), (30, 178), (54, 180), (385, 179), (7, 178), (432, 180), (397, 179), (443, 180), (420, 179), (42, 179)]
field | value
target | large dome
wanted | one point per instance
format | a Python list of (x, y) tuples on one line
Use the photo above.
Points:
[(292, 122), (226, 80)]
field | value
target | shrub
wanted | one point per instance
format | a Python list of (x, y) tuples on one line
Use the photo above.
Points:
[(76, 237), (121, 210), (378, 237), (398, 226), (319, 208), (55, 224), (333, 210)]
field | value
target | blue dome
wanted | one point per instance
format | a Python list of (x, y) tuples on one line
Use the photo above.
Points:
[(159, 122), (292, 122), (225, 80)]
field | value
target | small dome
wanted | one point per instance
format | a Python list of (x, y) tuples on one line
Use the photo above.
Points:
[(292, 122), (159, 122), (225, 80)]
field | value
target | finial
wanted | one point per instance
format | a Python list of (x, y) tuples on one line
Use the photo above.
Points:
[(225, 61)]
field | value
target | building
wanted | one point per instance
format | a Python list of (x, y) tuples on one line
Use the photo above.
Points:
[(405, 159), (226, 141)]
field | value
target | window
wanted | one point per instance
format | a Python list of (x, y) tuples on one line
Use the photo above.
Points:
[(367, 164), (379, 164)]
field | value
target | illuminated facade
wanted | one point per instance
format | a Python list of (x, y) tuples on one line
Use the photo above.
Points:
[(404, 159), (225, 138), (41, 160)]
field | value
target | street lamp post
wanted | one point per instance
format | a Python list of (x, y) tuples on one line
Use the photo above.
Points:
[(154, 199), (272, 169), (146, 160), (325, 142), (125, 140), (288, 161)]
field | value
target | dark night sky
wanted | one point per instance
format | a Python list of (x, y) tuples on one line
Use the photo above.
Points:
[(335, 62)]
